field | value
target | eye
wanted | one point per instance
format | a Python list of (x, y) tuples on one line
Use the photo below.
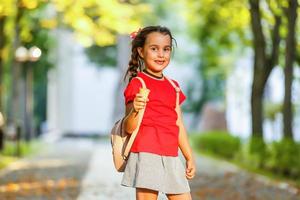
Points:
[(167, 49), (153, 48)]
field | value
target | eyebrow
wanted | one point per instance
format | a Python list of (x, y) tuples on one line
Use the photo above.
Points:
[(155, 45)]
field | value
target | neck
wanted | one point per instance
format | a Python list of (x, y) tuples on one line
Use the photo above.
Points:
[(157, 74)]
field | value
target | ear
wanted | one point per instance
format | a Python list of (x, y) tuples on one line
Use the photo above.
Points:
[(140, 52)]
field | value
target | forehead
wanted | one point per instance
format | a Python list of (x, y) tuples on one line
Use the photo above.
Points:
[(156, 38)]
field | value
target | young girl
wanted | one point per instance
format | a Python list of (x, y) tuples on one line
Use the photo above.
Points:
[(153, 165)]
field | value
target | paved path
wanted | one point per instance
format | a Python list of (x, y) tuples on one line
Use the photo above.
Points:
[(82, 169), (55, 173), (101, 180), (221, 180)]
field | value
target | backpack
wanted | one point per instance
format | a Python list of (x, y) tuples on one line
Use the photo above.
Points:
[(121, 141)]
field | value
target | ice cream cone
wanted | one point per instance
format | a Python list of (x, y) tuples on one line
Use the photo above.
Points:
[(145, 92)]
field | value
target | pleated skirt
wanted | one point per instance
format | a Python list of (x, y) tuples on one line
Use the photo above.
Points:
[(165, 174)]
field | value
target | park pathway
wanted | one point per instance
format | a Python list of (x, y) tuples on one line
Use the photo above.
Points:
[(82, 169)]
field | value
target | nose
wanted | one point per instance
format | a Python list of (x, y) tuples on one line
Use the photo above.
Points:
[(161, 53)]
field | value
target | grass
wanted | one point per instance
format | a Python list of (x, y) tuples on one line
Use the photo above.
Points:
[(6, 160), (271, 175), (12, 152)]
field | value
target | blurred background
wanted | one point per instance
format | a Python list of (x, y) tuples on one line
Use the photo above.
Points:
[(62, 64)]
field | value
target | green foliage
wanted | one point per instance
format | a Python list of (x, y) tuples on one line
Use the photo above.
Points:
[(219, 143), (252, 153), (103, 56), (9, 153), (284, 158), (99, 21), (257, 151), (272, 109), (220, 29), (26, 148), (279, 157)]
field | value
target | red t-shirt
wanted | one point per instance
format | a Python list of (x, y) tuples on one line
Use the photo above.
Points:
[(158, 132)]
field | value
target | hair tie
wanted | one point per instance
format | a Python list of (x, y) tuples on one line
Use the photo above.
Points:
[(135, 33)]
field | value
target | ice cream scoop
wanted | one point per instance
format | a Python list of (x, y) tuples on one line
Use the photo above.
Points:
[(145, 92)]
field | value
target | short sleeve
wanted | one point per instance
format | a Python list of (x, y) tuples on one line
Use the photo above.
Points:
[(182, 96), (131, 90)]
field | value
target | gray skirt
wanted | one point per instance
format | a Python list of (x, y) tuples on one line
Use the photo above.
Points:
[(165, 174)]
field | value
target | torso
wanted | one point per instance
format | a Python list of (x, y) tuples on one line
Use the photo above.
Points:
[(158, 132)]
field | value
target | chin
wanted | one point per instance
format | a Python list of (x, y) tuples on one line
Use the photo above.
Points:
[(158, 68)]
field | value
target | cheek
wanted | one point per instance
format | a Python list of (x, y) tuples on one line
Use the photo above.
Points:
[(150, 54), (168, 55)]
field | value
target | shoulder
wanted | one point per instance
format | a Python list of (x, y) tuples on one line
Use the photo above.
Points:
[(174, 81), (132, 88), (135, 81)]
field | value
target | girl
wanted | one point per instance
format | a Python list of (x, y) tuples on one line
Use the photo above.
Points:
[(153, 164)]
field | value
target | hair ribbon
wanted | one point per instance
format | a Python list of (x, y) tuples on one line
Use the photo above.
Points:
[(135, 33)]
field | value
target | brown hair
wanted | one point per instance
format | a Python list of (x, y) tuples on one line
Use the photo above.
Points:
[(136, 63)]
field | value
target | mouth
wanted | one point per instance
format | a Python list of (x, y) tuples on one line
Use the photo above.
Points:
[(160, 62)]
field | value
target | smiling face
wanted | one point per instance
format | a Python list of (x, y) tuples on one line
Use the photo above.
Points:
[(156, 52)]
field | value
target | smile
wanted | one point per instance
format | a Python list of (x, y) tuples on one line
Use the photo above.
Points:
[(159, 62)]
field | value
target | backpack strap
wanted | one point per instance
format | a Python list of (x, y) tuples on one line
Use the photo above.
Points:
[(177, 108), (142, 82), (136, 130), (177, 89)]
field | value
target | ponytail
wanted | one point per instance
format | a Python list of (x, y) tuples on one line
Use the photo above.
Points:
[(135, 64)]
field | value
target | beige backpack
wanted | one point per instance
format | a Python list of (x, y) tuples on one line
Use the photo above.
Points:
[(121, 141)]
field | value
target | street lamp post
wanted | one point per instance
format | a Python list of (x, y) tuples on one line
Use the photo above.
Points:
[(27, 56), (1, 131)]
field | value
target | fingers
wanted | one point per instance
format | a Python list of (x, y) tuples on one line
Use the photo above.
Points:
[(190, 173), (190, 170), (139, 97), (139, 102)]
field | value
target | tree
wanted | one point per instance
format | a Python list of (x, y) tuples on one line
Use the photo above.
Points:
[(272, 23), (290, 58), (98, 21), (5, 12), (92, 21), (264, 62), (220, 29), (2, 42)]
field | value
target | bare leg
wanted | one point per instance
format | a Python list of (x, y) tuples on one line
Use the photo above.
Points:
[(146, 194), (185, 196)]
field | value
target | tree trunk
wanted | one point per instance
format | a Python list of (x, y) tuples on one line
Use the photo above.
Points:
[(2, 43), (290, 57), (263, 65), (259, 64), (1, 82)]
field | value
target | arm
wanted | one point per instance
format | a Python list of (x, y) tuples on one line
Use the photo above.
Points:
[(185, 147), (132, 113)]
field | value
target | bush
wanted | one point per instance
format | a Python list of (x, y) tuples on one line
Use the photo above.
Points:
[(9, 154), (219, 143), (257, 152), (252, 154), (25, 148), (284, 158)]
